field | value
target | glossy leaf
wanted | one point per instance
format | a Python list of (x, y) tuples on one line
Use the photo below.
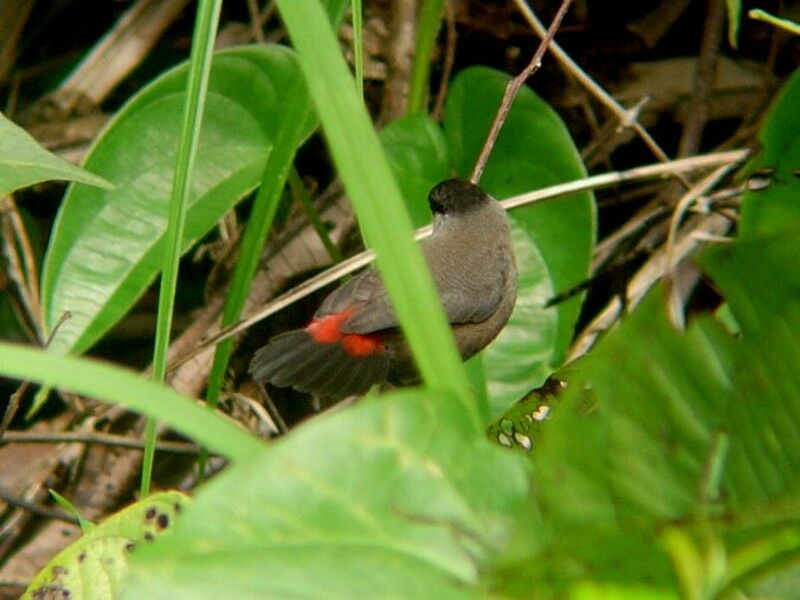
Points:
[(379, 500), (534, 150), (93, 567), (23, 162), (106, 245), (688, 432), (772, 200), (519, 359), (419, 158)]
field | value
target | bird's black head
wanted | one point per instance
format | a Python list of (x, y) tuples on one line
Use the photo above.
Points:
[(455, 195)]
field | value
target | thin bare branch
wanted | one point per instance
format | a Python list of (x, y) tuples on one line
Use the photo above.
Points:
[(35, 508), (21, 268), (596, 89), (449, 59), (108, 439), (512, 88), (255, 21), (705, 75), (707, 226)]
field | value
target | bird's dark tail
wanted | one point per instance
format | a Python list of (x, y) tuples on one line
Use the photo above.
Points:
[(328, 369)]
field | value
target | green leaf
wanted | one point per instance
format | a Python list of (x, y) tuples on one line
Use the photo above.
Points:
[(121, 386), (695, 432), (645, 428), (24, 162), (534, 150), (93, 567), (519, 359), (106, 246), (419, 158), (384, 499), (768, 264), (760, 279), (772, 201)]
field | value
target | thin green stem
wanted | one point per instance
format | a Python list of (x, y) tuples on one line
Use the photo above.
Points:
[(299, 191), (430, 20), (294, 123), (199, 67)]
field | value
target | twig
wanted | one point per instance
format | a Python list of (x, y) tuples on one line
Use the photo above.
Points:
[(595, 89), (107, 439), (652, 271), (449, 59), (512, 88), (22, 270), (704, 80), (28, 259), (364, 258), (16, 398), (656, 170), (255, 21), (689, 198), (15, 583), (272, 426), (403, 29), (117, 53)]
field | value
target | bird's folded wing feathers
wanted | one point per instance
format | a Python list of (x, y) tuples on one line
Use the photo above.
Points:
[(464, 302)]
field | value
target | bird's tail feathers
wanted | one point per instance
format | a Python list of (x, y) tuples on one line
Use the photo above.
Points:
[(294, 359)]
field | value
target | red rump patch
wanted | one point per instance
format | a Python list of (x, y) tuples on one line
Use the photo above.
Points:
[(328, 330)]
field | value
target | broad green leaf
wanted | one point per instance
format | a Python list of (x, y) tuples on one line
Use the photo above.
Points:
[(595, 591), (660, 400), (93, 567), (657, 396), (768, 264), (419, 158), (384, 499), (694, 431), (534, 150), (106, 244), (760, 279), (772, 201), (24, 162), (519, 359)]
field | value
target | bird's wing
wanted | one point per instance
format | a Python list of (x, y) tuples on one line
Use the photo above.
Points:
[(465, 299), (366, 295), (473, 301)]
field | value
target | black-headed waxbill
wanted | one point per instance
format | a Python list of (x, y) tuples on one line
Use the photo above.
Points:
[(354, 340)]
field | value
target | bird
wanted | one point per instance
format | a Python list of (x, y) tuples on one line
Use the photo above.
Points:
[(354, 341)]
